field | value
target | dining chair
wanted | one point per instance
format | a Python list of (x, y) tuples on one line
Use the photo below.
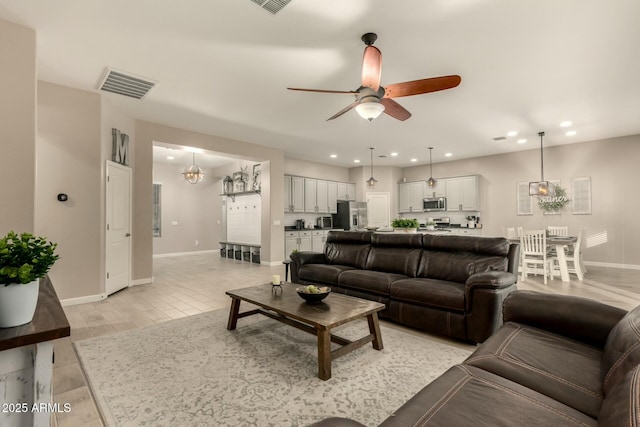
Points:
[(558, 230), (574, 258), (519, 231), (533, 249)]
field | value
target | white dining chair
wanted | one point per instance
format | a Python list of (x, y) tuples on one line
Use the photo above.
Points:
[(573, 257), (519, 231), (533, 249), (558, 230)]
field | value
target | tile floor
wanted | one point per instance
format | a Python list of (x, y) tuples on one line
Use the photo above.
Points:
[(187, 285)]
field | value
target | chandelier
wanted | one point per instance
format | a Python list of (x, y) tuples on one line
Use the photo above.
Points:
[(193, 174)]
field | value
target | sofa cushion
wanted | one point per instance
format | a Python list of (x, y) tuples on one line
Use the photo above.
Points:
[(622, 349), (468, 396), (395, 253), (621, 408), (322, 273), (488, 246), (430, 293), (349, 248), (375, 282), (561, 368)]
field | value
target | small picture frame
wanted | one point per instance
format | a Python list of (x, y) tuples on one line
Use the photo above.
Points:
[(257, 182)]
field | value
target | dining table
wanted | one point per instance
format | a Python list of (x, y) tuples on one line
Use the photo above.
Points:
[(560, 243)]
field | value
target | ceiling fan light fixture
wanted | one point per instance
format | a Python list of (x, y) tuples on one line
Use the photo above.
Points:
[(369, 109)]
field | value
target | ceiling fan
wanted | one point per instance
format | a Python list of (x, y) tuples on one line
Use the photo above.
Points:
[(373, 99)]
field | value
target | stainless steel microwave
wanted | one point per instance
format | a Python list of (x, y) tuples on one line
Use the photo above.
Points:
[(433, 204)]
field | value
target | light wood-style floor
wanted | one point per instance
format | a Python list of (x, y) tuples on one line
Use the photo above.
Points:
[(188, 285)]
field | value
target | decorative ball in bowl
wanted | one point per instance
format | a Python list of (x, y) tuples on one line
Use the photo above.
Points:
[(313, 294)]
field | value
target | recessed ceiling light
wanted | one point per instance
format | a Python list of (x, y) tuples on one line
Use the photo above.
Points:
[(522, 141), (356, 161), (170, 157), (448, 154), (512, 133), (333, 156), (414, 160), (394, 154), (571, 133), (565, 124)]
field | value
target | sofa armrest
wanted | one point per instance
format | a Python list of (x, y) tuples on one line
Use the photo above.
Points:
[(298, 259), (578, 318), (489, 280)]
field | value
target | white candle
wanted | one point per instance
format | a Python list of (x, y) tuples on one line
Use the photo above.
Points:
[(275, 279)]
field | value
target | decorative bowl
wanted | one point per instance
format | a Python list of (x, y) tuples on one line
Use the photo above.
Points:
[(312, 298)]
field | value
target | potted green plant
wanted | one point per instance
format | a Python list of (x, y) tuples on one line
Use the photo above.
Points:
[(405, 225), (24, 259)]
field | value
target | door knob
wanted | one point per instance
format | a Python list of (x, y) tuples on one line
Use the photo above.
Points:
[(127, 235)]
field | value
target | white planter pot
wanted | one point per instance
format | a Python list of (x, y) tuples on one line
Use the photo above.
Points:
[(18, 303), (406, 230)]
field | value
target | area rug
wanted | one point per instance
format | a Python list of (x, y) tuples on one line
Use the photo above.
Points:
[(194, 372)]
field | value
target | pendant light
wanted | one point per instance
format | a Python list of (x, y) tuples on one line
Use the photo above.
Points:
[(432, 182), (542, 187), (371, 182), (193, 174)]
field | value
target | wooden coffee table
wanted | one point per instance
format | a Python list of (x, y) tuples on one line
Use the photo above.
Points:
[(317, 319)]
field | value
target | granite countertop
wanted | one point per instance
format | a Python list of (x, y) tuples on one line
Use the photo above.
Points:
[(293, 228)]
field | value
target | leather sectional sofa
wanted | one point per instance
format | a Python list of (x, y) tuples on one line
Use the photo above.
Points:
[(556, 361), (449, 285)]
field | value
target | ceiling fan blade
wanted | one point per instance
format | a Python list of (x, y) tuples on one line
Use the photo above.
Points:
[(394, 109), (371, 67), (322, 90), (416, 87), (344, 110)]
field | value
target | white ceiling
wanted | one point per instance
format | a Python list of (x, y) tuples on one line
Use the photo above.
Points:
[(223, 67)]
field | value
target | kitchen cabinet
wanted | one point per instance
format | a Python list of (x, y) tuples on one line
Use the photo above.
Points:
[(332, 196), (462, 193), (297, 240), (346, 191), (293, 194), (315, 196), (438, 190), (411, 195)]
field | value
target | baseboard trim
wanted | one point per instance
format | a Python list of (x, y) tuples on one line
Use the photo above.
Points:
[(209, 251), (82, 300), (613, 265), (271, 263), (145, 281)]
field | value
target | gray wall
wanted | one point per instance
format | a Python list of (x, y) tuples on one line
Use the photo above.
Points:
[(17, 127), (195, 207), (612, 166)]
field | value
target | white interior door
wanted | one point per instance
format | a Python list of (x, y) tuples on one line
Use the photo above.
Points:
[(118, 237), (378, 209)]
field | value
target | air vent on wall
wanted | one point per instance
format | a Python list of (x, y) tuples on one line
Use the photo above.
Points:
[(125, 84), (499, 138), (273, 6)]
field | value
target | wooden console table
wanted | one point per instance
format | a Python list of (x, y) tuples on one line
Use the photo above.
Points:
[(26, 362)]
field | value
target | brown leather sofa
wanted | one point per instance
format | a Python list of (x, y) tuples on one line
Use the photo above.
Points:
[(450, 285), (556, 361)]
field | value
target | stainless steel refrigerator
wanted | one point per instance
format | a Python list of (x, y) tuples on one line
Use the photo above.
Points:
[(351, 216)]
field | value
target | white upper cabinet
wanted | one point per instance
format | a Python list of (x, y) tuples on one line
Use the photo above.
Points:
[(332, 196), (346, 191), (310, 191), (322, 201), (462, 193), (438, 190), (411, 195), (293, 194)]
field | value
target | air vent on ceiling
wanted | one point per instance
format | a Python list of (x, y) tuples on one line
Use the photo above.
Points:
[(273, 6), (125, 84), (499, 138)]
